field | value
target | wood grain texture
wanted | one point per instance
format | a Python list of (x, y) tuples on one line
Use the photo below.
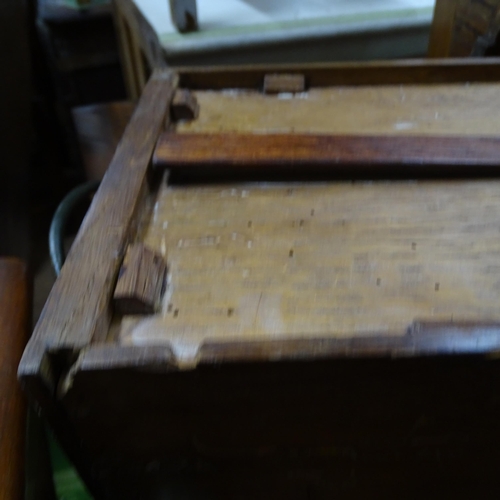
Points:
[(291, 153), (141, 281), (14, 325), (275, 83), (411, 71), (297, 262), (78, 310), (456, 109)]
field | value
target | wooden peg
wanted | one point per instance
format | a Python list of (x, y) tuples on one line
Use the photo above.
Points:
[(141, 281), (276, 83), (184, 105)]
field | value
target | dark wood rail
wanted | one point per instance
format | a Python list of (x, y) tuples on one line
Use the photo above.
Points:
[(331, 155)]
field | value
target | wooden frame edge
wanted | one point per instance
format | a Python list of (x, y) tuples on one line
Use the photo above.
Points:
[(403, 71), (69, 320), (257, 155), (422, 339)]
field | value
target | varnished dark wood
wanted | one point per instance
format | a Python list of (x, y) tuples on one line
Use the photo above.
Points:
[(411, 71), (14, 324), (262, 154)]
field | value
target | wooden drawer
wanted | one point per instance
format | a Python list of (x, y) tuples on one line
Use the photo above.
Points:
[(289, 295)]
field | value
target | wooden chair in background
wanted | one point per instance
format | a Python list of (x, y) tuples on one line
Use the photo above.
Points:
[(462, 28)]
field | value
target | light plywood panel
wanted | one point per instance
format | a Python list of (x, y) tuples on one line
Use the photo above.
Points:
[(306, 261), (372, 110)]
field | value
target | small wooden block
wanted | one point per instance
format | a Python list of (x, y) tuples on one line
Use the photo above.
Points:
[(140, 282), (276, 83), (184, 105)]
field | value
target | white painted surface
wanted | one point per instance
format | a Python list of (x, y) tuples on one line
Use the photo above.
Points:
[(217, 14), (227, 24)]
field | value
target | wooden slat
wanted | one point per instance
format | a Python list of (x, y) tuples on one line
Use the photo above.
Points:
[(77, 311), (332, 154), (411, 71), (421, 339), (430, 110), (14, 324)]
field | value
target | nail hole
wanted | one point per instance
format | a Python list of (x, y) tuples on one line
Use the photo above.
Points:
[(413, 246), (289, 191), (290, 253), (436, 287), (301, 223), (169, 308), (230, 311), (176, 313), (249, 223), (312, 212), (378, 281)]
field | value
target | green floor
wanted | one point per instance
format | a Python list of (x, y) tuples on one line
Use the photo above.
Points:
[(67, 483)]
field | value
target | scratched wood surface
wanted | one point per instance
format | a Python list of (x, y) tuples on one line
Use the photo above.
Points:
[(304, 261), (389, 109)]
